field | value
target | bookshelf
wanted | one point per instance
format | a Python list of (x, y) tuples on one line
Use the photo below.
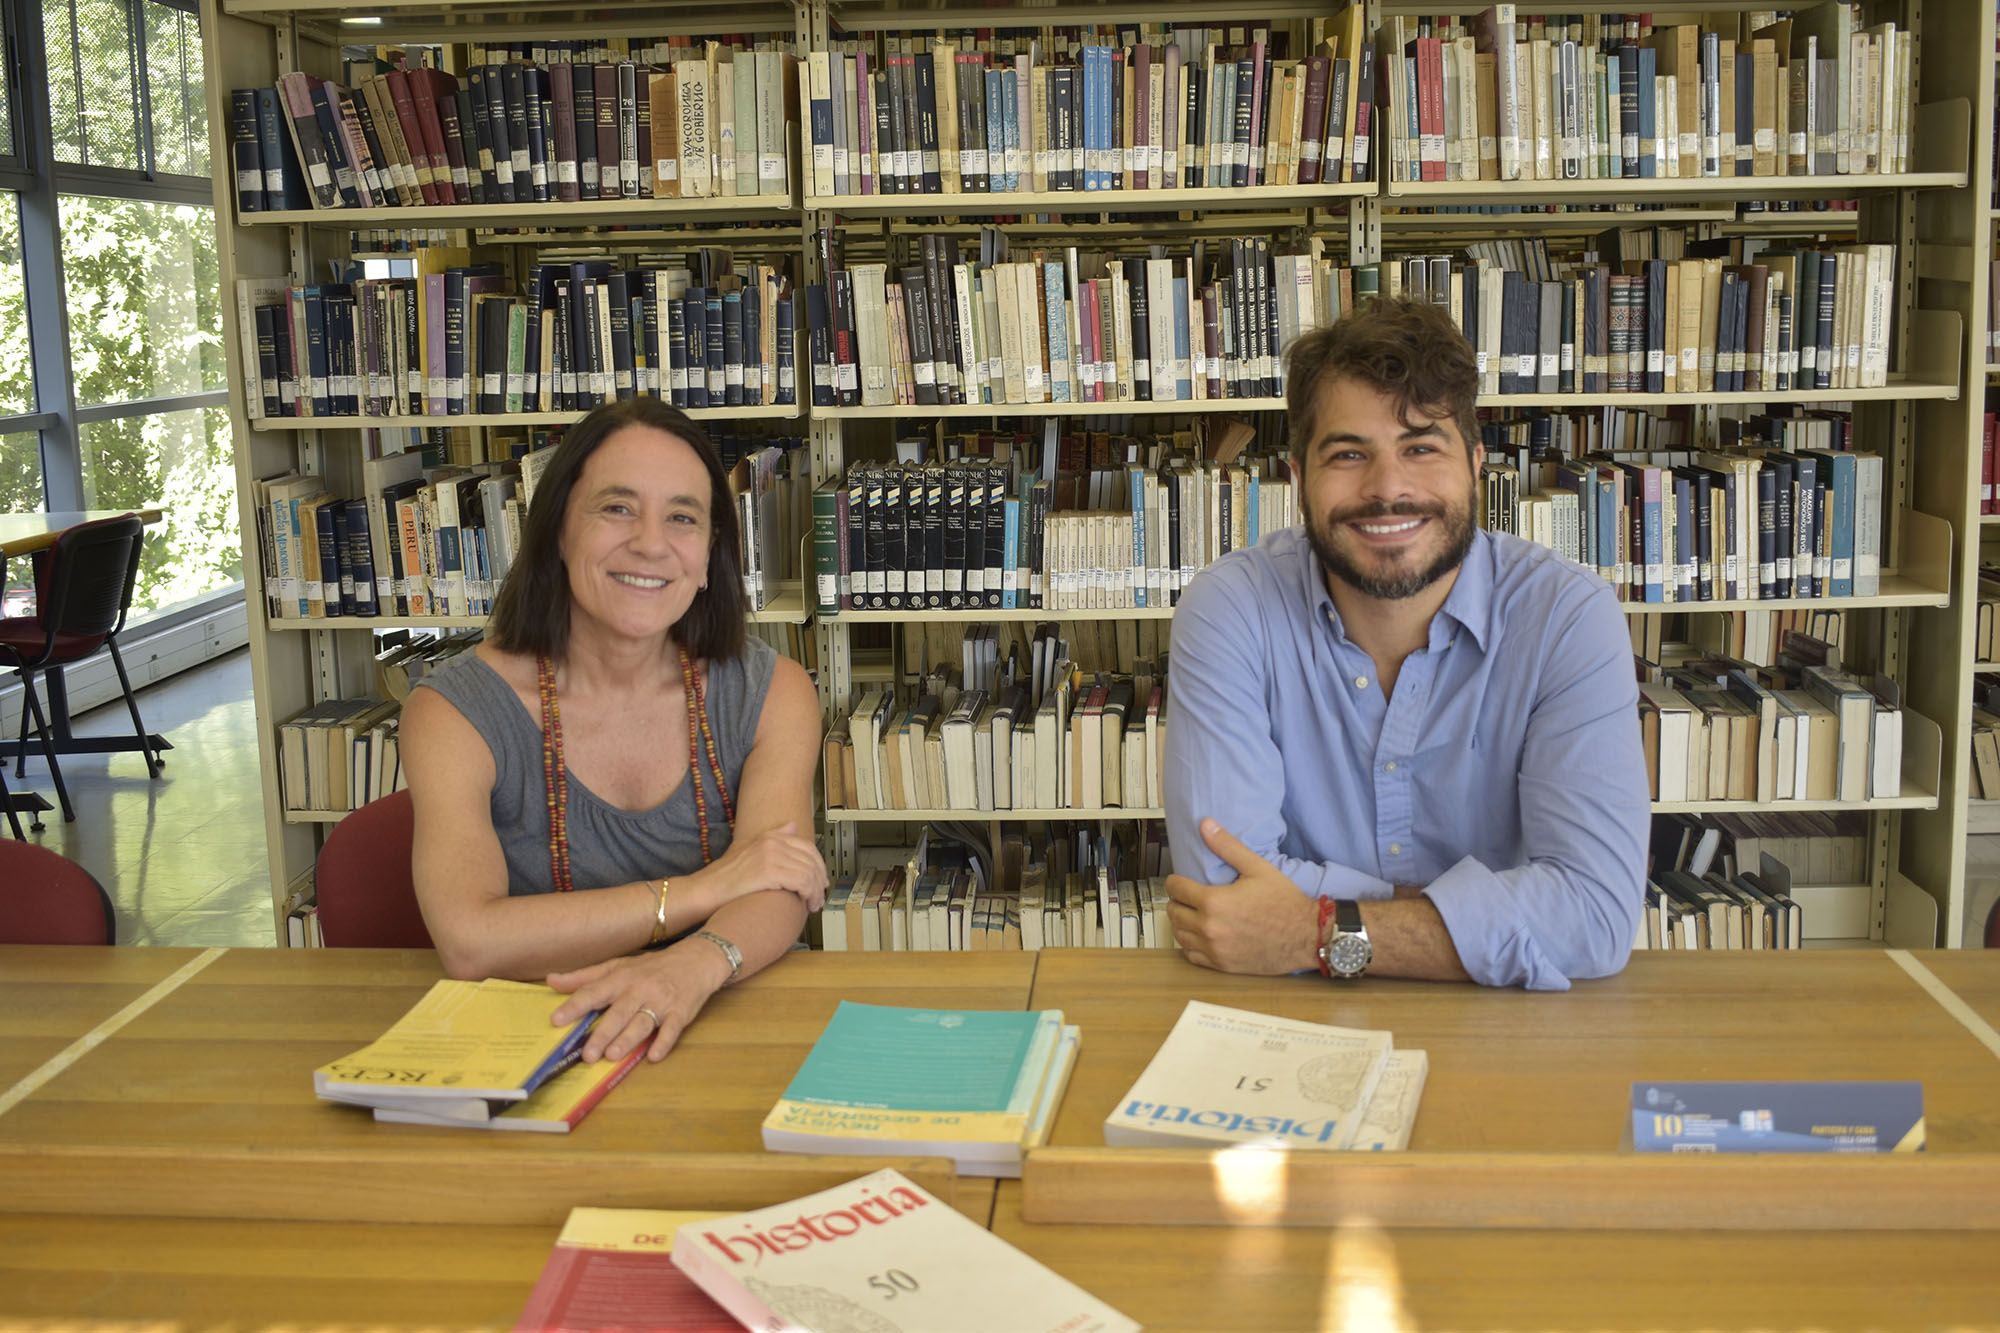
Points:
[(298, 662), (1926, 418)]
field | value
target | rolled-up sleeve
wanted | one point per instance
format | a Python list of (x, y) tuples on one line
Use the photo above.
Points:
[(1220, 758), (1571, 909)]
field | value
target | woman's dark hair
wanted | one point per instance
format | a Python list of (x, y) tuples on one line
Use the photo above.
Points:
[(532, 613), (1408, 350)]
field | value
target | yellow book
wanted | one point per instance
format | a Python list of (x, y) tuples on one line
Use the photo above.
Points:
[(464, 1040), (554, 1108)]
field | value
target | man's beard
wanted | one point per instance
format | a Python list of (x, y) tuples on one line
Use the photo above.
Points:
[(1457, 528)]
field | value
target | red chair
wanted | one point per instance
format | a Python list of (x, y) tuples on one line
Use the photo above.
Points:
[(83, 591), (367, 894), (50, 899)]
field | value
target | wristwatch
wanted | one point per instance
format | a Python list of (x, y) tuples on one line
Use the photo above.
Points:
[(1345, 952)]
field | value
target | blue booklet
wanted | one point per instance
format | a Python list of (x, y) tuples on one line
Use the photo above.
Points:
[(1778, 1117)]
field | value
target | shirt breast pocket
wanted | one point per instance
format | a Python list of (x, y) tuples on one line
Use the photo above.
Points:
[(1467, 800)]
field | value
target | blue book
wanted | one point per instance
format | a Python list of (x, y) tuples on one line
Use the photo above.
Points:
[(336, 151), (677, 362), (1853, 1117), (819, 347), (785, 356), (284, 179), (316, 358), (1010, 120), (694, 320), (1136, 485), (361, 559), (1059, 349), (714, 348), (1649, 154), (1009, 582), (1183, 351), (996, 129), (246, 150), (730, 308), (327, 525), (961, 1083), (1837, 471), (756, 392)]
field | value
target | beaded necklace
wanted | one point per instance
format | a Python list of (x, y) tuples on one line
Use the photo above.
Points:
[(556, 774)]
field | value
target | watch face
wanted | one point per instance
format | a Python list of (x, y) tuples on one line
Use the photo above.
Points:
[(1348, 955)]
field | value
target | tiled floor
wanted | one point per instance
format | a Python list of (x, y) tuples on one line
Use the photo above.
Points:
[(183, 857)]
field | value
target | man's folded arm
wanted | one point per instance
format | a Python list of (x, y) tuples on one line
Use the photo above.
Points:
[(1572, 908), (1220, 759)]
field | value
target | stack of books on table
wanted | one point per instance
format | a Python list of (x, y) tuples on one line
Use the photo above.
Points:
[(978, 1086), (1232, 1078), (876, 1253), (481, 1055)]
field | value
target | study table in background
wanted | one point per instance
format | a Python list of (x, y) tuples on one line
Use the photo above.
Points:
[(180, 1169)]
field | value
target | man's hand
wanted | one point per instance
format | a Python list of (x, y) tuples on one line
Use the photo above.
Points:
[(1260, 925)]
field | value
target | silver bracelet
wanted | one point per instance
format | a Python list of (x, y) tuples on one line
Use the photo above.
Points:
[(729, 951)]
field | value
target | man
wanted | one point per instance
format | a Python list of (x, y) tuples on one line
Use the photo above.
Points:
[(1396, 743)]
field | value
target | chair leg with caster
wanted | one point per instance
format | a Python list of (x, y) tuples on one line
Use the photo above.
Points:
[(48, 747), (154, 759)]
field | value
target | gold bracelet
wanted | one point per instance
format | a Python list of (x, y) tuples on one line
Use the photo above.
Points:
[(660, 911)]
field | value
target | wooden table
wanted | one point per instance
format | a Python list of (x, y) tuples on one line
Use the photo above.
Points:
[(1519, 1071), (52, 995), (404, 1228), (24, 534)]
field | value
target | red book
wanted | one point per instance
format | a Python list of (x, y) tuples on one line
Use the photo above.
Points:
[(562, 102), (1259, 139), (413, 133), (426, 86), (604, 81), (613, 1268), (1430, 105), (1312, 122)]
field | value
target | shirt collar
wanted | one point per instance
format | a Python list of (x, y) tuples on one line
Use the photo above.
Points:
[(1469, 605)]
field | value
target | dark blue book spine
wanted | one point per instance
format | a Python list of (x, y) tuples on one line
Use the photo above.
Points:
[(360, 540), (731, 310), (332, 573), (336, 149), (713, 348), (786, 355), (677, 362), (694, 316), (246, 150), (647, 330)]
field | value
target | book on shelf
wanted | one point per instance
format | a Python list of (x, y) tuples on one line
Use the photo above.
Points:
[(1038, 325), (613, 1268), (1107, 520), (1717, 728), (1713, 883), (978, 1086), (1789, 321), (1765, 517), (465, 1050), (1048, 883), (457, 339), (631, 119), (1229, 1077), (1607, 97), (876, 1249), (1090, 109), (339, 755)]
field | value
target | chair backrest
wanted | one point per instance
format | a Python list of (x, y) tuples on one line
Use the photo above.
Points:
[(49, 899), (84, 588), (367, 894)]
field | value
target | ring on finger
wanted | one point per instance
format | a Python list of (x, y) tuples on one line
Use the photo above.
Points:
[(650, 1014)]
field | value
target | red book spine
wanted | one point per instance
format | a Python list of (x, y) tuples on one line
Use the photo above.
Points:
[(1312, 121), (1430, 104), (424, 92)]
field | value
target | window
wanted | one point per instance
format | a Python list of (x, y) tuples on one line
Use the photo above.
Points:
[(116, 233)]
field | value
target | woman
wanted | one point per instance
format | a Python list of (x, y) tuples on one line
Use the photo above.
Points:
[(618, 688)]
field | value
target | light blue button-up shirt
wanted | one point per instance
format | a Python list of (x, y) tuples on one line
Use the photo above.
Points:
[(1506, 774)]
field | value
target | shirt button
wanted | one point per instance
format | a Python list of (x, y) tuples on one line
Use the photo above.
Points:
[(1390, 766), (1361, 682), (1395, 849)]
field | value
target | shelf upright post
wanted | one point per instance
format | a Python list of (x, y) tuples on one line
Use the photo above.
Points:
[(832, 639)]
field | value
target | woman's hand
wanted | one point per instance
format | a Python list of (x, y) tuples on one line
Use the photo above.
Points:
[(647, 999), (779, 858)]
